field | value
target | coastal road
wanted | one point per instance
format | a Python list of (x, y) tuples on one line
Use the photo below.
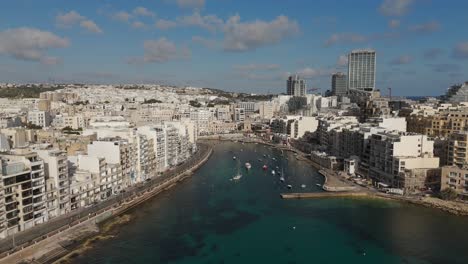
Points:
[(64, 222)]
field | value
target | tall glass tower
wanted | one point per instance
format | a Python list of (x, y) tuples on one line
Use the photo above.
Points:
[(361, 70)]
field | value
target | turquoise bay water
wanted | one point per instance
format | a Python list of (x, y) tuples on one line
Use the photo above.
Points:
[(211, 219)]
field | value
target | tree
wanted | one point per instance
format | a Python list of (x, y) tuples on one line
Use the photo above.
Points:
[(32, 126), (448, 194), (194, 103)]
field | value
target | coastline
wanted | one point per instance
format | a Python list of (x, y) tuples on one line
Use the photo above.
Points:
[(55, 247), (331, 181)]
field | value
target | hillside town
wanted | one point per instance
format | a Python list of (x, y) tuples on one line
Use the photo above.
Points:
[(75, 146)]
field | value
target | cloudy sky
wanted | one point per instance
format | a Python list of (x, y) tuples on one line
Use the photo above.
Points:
[(235, 45)]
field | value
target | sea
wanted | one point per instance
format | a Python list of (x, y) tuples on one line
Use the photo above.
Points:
[(210, 218)]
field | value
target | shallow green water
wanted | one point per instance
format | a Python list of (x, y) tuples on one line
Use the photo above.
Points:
[(211, 219)]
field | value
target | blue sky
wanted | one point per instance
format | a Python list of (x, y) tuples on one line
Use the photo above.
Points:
[(235, 45)]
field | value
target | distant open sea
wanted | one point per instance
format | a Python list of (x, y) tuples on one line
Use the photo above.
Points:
[(211, 219)]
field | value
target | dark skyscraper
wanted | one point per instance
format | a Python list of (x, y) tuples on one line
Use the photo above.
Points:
[(339, 84)]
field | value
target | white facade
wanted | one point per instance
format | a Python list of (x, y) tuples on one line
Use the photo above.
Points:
[(39, 118), (361, 70)]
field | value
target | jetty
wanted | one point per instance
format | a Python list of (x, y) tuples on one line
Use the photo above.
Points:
[(317, 195)]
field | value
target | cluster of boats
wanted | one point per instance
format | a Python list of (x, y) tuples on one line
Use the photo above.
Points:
[(248, 166)]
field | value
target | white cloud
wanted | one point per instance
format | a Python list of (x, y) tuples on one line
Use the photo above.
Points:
[(256, 67), (90, 26), (404, 59), (345, 38), (394, 23), (208, 22), (164, 24), (142, 11), (68, 19), (122, 16), (138, 24), (190, 3), (209, 43), (160, 51), (30, 44), (395, 7), (312, 73), (342, 60), (72, 18), (425, 28), (461, 50), (50, 60), (243, 36)]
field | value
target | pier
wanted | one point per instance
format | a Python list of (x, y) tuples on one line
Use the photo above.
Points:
[(316, 195)]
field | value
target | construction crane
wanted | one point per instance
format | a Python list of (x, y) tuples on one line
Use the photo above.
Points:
[(312, 89), (389, 93)]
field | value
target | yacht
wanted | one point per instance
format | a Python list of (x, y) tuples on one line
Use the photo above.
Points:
[(303, 186), (273, 172), (234, 157), (238, 175), (265, 167), (248, 165), (289, 186), (282, 179)]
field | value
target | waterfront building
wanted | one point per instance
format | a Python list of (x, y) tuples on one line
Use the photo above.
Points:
[(456, 151), (57, 181), (119, 152), (22, 199), (294, 126), (402, 160), (339, 84), (295, 86), (361, 70), (239, 114), (223, 113), (456, 178)]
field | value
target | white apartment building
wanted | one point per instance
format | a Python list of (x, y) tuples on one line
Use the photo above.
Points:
[(249, 107), (265, 110), (57, 181), (39, 118), (402, 160), (118, 152), (223, 113), (202, 118), (22, 199), (74, 121), (239, 114)]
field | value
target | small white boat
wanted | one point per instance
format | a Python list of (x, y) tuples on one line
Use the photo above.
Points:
[(248, 165), (259, 159), (318, 184), (289, 186), (273, 172), (237, 177), (303, 186), (282, 179), (234, 158)]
